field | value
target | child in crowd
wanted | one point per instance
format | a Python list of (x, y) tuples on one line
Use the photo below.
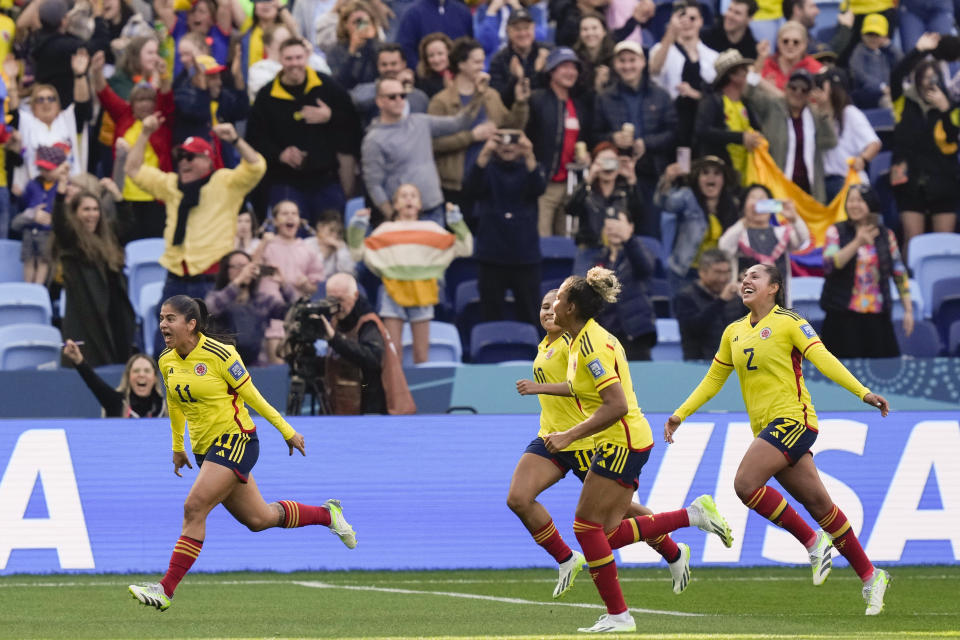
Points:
[(331, 245), (36, 204), (871, 62), (294, 260), (246, 239)]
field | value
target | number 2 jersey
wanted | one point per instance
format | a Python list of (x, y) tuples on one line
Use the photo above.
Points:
[(208, 389), (768, 357), (557, 413), (596, 361)]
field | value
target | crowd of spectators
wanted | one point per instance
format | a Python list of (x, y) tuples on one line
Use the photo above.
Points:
[(238, 131)]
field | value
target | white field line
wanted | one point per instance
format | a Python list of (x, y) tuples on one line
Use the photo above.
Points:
[(475, 596)]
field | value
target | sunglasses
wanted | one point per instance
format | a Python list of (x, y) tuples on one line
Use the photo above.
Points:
[(392, 96), (189, 156), (791, 41), (46, 99)]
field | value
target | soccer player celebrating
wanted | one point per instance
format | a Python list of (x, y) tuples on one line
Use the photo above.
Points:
[(207, 385), (598, 376), (766, 348), (538, 469)]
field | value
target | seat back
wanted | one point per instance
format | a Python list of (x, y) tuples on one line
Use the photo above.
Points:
[(149, 312), (11, 269), (29, 346), (661, 297), (353, 205), (501, 341), (927, 255), (924, 342), (24, 303), (558, 253), (805, 298), (954, 342), (668, 340), (445, 344)]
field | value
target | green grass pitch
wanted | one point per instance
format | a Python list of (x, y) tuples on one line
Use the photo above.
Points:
[(922, 602)]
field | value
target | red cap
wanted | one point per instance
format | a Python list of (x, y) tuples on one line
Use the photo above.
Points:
[(197, 145)]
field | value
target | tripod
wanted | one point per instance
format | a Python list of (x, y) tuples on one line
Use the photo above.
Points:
[(305, 378)]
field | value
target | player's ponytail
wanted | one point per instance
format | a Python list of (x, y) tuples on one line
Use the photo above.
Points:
[(773, 273), (591, 293), (196, 309), (203, 316)]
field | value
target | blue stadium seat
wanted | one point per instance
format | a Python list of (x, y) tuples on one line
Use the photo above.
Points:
[(353, 205), (143, 266), (11, 269), (829, 10), (467, 310), (505, 340), (24, 303), (558, 253), (924, 342), (661, 297), (369, 285), (149, 313), (880, 166), (549, 285), (880, 119), (29, 346), (954, 341), (460, 270), (947, 316), (932, 257), (915, 302), (805, 299), (668, 340), (445, 346), (942, 290)]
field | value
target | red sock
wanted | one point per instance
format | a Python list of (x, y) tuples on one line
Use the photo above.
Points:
[(549, 538), (302, 515), (184, 553), (665, 546), (768, 502), (648, 527), (845, 541), (603, 569)]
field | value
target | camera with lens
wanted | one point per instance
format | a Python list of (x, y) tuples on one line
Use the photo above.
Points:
[(303, 326), (304, 323)]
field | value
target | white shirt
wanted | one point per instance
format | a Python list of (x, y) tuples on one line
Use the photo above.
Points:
[(671, 75), (857, 134)]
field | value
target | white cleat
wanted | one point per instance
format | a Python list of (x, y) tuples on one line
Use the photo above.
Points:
[(704, 514), (821, 560), (339, 524), (610, 623), (680, 569), (152, 595), (873, 591), (568, 573)]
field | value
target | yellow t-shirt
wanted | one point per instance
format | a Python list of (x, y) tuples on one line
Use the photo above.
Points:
[(710, 238), (557, 413), (131, 192), (767, 358), (208, 389), (596, 361), (735, 115), (863, 7), (8, 29), (768, 10)]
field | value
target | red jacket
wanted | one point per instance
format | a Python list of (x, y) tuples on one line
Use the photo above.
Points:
[(122, 114)]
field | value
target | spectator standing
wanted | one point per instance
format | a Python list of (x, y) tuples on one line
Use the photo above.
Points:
[(246, 238), (636, 101), (925, 171), (202, 206), (433, 67), (523, 57), (755, 240), (354, 58), (306, 127), (423, 17), (872, 62), (594, 47), (53, 50), (308, 13), (626, 18), (203, 19), (98, 305), (705, 307), (505, 184), (806, 11), (855, 137), (390, 65), (266, 13), (398, 149), (410, 255), (567, 14), (733, 32), (330, 244), (918, 17), (608, 190), (455, 154), (140, 62), (631, 319), (861, 259), (108, 26), (558, 120), (262, 72), (726, 127), (491, 22), (791, 55), (33, 221)]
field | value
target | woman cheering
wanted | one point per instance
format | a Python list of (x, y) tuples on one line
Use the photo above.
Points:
[(207, 385), (767, 348)]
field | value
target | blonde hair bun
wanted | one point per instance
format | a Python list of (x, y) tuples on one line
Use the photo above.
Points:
[(605, 283)]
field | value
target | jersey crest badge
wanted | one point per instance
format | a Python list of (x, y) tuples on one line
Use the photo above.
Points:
[(548, 355), (765, 333), (596, 369), (200, 369), (237, 370), (808, 330)]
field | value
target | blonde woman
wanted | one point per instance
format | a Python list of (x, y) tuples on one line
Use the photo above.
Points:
[(139, 394)]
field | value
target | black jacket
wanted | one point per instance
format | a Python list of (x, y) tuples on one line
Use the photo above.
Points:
[(545, 127), (51, 53), (505, 82), (193, 110), (366, 352), (710, 131), (703, 317), (838, 284), (632, 316), (657, 126), (591, 208)]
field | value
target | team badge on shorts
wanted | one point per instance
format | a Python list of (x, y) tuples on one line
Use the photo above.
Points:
[(765, 333), (237, 370), (200, 369), (596, 369)]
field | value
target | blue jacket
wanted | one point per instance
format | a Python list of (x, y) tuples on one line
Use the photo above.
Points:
[(657, 124), (505, 209), (869, 71), (632, 316), (691, 223), (351, 69), (451, 17)]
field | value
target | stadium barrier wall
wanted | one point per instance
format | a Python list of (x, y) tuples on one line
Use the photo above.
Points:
[(429, 492)]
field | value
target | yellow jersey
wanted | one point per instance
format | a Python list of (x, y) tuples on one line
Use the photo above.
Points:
[(557, 413), (596, 361), (768, 358), (208, 389)]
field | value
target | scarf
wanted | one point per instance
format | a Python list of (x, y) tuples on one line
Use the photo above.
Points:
[(191, 197), (743, 244), (809, 144)]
